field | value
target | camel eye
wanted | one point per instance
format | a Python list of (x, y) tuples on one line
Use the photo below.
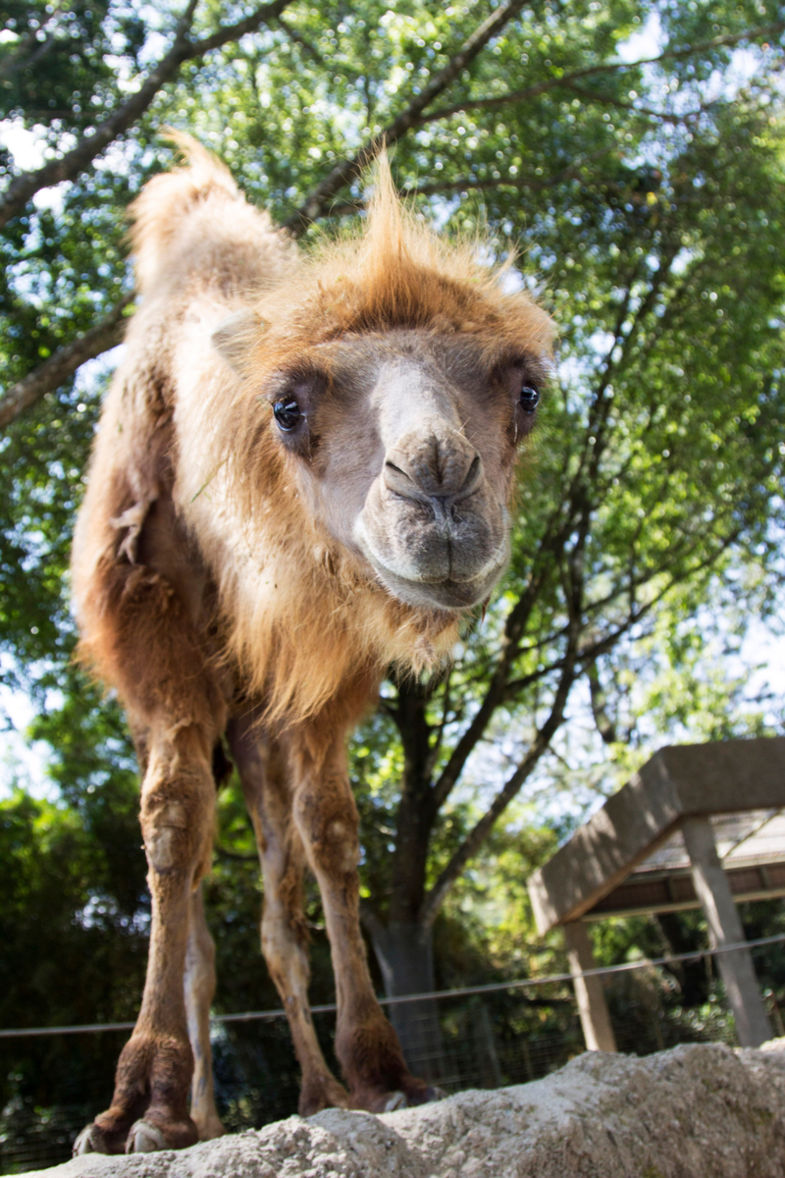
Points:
[(288, 414), (530, 398)]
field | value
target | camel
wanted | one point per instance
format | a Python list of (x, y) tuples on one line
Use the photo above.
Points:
[(302, 476)]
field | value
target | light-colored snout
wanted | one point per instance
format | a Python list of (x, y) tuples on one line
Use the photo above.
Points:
[(431, 528), (434, 466), (434, 525)]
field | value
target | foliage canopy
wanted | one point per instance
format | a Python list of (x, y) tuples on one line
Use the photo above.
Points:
[(634, 151)]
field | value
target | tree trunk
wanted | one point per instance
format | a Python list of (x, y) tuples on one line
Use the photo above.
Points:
[(405, 956), (402, 940)]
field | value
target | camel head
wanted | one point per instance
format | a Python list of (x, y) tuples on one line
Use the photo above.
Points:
[(398, 380)]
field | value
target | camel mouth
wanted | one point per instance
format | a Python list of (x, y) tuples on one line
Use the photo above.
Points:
[(428, 569), (449, 593)]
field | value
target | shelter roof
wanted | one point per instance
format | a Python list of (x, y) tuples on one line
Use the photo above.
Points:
[(630, 856)]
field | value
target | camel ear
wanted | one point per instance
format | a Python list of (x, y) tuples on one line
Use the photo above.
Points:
[(234, 337)]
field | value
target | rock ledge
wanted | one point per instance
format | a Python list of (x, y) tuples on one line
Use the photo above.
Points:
[(691, 1112)]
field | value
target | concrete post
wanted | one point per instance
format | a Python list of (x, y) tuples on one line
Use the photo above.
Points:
[(592, 1008), (711, 887)]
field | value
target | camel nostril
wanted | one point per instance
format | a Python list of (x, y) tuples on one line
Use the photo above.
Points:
[(473, 477), (431, 467), (398, 481)]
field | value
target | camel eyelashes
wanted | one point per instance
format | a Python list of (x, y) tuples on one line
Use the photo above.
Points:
[(287, 414), (291, 396), (524, 384), (530, 398)]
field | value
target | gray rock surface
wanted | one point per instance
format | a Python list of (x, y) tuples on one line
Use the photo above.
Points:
[(697, 1111)]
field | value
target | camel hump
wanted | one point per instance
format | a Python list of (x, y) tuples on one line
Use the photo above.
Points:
[(176, 210)]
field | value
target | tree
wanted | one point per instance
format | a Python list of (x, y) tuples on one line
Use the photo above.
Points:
[(74, 928), (647, 194)]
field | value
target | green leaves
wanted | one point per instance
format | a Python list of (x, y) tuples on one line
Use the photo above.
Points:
[(645, 198)]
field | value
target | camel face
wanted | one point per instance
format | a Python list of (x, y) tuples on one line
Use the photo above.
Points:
[(405, 445)]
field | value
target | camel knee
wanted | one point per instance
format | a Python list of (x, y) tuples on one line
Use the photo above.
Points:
[(177, 809), (284, 930), (327, 819), (284, 939), (166, 836)]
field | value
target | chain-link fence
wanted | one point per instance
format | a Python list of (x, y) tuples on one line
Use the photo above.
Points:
[(483, 1037)]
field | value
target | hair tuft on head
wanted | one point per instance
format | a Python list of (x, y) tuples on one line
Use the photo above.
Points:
[(385, 225)]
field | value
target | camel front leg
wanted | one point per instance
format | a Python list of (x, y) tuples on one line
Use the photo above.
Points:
[(149, 1109), (326, 818), (283, 930)]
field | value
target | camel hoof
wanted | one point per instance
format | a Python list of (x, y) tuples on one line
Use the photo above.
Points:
[(84, 1142), (318, 1097), (418, 1096), (95, 1139), (145, 1138)]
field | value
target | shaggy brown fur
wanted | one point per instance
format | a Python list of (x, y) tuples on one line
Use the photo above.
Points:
[(301, 477)]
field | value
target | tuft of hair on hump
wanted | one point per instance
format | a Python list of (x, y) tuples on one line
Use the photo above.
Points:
[(161, 207)]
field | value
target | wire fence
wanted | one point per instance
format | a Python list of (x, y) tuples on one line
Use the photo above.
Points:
[(485, 1036)]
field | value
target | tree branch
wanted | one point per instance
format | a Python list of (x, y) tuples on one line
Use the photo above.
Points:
[(28, 52), (644, 112), (297, 38), (108, 332), (264, 14), (511, 788), (574, 661), (351, 208), (69, 165), (603, 644), (436, 746), (609, 67), (319, 200), (624, 336)]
